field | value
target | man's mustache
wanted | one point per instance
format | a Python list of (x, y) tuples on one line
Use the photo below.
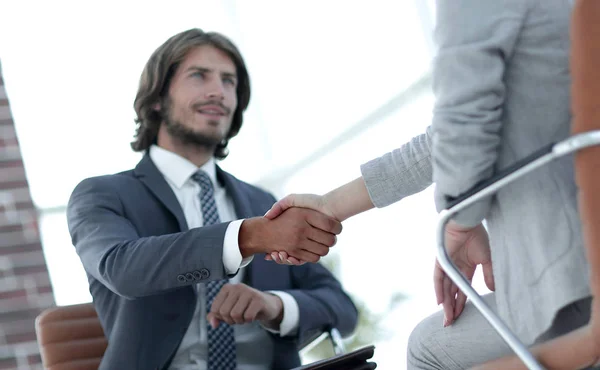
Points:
[(219, 104)]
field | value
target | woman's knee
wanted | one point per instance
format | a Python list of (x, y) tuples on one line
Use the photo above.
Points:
[(421, 343)]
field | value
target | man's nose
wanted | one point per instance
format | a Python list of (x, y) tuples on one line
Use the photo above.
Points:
[(215, 91)]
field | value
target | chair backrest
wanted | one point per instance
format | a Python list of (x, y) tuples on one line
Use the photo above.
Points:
[(70, 338), (580, 348)]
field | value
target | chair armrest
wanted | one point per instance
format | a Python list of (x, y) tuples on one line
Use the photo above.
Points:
[(501, 175), (522, 167), (334, 336)]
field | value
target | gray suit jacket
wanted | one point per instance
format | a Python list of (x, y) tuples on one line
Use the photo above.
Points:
[(502, 84)]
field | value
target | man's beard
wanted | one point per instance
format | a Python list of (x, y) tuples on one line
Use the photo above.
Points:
[(186, 135)]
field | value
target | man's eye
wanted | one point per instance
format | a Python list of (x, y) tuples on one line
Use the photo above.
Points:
[(229, 81)]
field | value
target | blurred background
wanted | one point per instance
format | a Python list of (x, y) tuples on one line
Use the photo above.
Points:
[(335, 84)]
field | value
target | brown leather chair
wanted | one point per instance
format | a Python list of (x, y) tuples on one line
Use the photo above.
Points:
[(580, 348), (70, 338)]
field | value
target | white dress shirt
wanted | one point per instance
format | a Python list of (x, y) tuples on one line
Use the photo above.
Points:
[(254, 347)]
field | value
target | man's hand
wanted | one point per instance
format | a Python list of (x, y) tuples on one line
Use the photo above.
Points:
[(315, 202), (240, 304), (467, 248), (303, 233)]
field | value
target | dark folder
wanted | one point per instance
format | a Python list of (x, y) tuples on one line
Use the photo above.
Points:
[(355, 360)]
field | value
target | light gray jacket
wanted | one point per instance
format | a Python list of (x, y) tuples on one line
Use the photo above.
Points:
[(502, 89)]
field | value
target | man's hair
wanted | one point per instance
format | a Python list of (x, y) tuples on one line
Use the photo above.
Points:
[(157, 75)]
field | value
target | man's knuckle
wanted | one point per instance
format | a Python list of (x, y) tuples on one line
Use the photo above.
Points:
[(331, 223)]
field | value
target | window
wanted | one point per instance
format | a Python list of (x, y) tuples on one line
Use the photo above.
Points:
[(335, 83)]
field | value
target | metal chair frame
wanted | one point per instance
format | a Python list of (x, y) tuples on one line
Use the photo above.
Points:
[(336, 342), (485, 189)]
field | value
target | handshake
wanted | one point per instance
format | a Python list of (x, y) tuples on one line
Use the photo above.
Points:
[(299, 228)]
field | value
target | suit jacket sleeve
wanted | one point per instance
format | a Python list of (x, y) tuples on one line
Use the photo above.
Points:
[(322, 301), (475, 40), (403, 172), (132, 266)]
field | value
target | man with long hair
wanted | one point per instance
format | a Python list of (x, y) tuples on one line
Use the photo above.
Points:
[(168, 246)]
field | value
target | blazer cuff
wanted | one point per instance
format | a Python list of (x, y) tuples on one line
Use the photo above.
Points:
[(232, 257)]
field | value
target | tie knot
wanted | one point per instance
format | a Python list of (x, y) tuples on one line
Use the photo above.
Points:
[(203, 180)]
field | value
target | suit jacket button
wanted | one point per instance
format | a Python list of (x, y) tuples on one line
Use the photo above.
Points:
[(189, 276), (181, 278), (197, 275), (204, 273)]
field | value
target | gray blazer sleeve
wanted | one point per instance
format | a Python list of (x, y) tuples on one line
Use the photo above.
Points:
[(475, 39), (403, 172), (113, 252)]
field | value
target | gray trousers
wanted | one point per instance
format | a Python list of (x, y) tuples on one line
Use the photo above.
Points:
[(470, 340)]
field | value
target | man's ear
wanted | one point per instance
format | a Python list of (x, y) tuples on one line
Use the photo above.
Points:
[(156, 106)]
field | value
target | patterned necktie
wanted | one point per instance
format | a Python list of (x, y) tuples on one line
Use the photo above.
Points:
[(221, 341)]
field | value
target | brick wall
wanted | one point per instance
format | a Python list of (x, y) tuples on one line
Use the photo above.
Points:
[(25, 288)]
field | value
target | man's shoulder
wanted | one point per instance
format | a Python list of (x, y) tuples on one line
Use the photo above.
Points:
[(252, 191), (114, 182)]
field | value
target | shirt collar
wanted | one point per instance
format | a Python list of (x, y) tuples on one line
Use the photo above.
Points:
[(177, 169)]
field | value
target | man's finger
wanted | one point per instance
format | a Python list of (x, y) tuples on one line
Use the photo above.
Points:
[(296, 262), (252, 310), (237, 312), (213, 320), (305, 255), (219, 299), (226, 307), (322, 237), (324, 222), (284, 257), (312, 248)]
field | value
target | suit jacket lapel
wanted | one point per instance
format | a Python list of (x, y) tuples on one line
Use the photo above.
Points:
[(243, 209), (241, 202), (148, 174)]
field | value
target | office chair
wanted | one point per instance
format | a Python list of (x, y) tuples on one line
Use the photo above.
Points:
[(71, 338)]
